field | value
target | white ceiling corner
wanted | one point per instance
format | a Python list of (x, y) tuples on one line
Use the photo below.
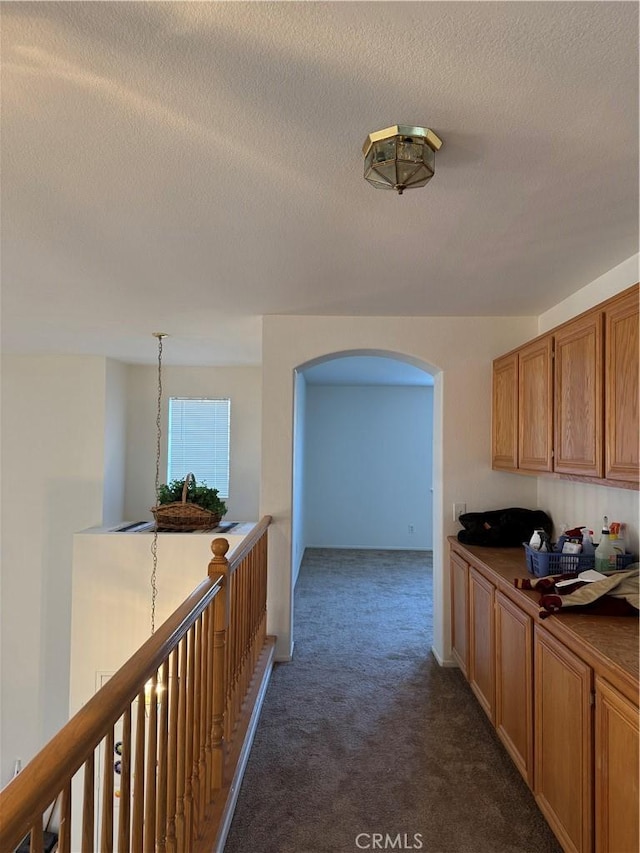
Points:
[(190, 167)]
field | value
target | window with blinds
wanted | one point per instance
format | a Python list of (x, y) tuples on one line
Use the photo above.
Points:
[(199, 441)]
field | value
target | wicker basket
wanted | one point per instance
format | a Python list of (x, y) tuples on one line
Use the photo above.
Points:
[(183, 517), (544, 563)]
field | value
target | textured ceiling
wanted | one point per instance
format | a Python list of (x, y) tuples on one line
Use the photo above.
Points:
[(189, 167)]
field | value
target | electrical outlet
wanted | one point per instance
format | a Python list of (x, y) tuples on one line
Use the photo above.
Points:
[(458, 510), (411, 528)]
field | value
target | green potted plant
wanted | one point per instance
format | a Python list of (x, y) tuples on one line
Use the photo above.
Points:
[(185, 505)]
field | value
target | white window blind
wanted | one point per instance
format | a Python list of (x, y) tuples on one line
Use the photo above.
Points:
[(199, 441)]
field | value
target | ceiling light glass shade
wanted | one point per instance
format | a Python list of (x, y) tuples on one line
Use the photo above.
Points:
[(400, 157)]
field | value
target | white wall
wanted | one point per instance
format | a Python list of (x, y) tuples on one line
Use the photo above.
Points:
[(458, 352), (368, 466), (115, 426), (240, 384), (576, 502), (299, 479), (603, 287), (53, 414), (111, 601)]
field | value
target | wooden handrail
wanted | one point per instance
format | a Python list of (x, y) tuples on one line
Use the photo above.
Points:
[(248, 543), (178, 774), (27, 796)]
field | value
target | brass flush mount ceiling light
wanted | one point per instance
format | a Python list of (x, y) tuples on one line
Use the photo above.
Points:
[(400, 157)]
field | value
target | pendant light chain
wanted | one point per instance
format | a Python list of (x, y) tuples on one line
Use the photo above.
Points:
[(154, 541)]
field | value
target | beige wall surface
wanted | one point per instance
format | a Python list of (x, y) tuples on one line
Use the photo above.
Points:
[(115, 436), (53, 416), (458, 351), (603, 287), (240, 384)]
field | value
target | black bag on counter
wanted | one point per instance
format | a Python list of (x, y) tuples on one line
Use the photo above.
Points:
[(502, 528)]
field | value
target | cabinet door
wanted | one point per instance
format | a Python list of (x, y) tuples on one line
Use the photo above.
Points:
[(481, 641), (621, 389), (578, 397), (459, 611), (563, 775), (514, 684), (535, 401), (504, 422), (617, 769)]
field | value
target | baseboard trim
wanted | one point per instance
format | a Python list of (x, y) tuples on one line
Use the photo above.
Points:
[(444, 662), (371, 547)]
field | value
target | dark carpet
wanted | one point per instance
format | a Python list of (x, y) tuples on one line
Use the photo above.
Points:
[(364, 733)]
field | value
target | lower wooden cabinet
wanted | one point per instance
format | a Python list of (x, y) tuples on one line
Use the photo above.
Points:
[(459, 579), (571, 733), (514, 684), (563, 784), (617, 771), (481, 641)]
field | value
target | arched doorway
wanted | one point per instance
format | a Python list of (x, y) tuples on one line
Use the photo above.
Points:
[(360, 392)]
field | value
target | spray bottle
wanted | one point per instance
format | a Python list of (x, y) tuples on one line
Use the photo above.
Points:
[(605, 553)]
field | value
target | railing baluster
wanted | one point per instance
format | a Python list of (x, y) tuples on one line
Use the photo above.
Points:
[(232, 633), (219, 565), (137, 835), (172, 752), (88, 805), (204, 668), (242, 605), (209, 714), (181, 749), (188, 753), (195, 731), (106, 832), (124, 816), (163, 735), (37, 838), (151, 769), (217, 726), (64, 831)]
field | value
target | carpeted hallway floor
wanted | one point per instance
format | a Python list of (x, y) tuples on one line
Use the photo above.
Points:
[(364, 733)]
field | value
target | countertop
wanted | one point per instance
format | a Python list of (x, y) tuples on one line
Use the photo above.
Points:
[(609, 644)]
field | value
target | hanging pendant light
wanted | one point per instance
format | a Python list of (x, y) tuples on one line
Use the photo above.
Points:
[(400, 157), (154, 541)]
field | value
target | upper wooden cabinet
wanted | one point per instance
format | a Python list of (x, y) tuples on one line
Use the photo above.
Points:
[(573, 394), (578, 397), (535, 405), (504, 422), (621, 389)]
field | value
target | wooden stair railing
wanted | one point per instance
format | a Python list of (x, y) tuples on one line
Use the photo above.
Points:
[(177, 719)]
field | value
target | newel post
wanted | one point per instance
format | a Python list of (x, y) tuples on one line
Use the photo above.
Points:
[(219, 565)]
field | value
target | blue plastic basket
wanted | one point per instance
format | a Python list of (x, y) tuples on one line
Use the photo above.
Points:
[(543, 563)]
